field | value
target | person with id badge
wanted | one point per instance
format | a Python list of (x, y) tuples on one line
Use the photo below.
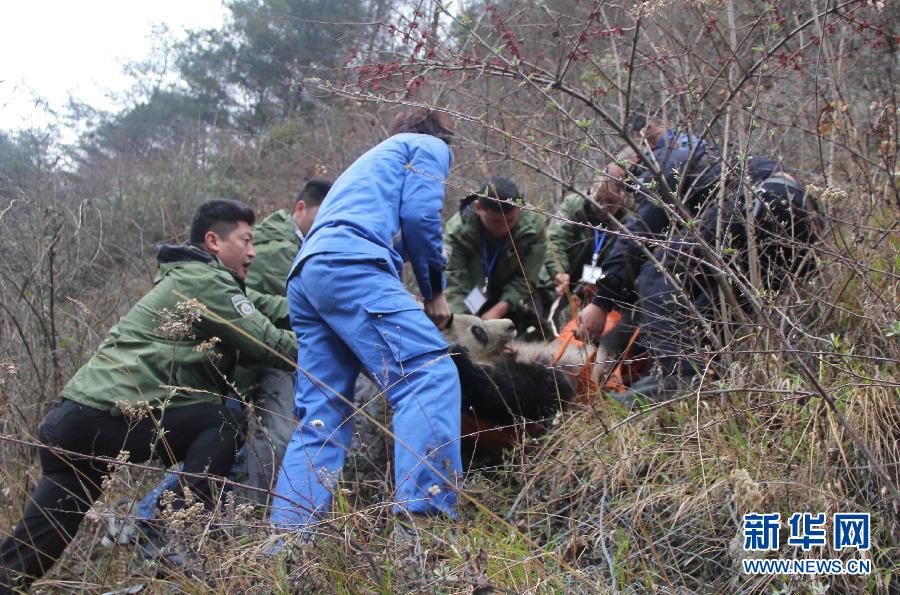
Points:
[(495, 251), (580, 237), (591, 273)]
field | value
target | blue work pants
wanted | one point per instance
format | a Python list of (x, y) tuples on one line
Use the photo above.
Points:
[(351, 313)]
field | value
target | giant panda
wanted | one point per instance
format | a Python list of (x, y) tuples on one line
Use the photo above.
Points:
[(504, 383)]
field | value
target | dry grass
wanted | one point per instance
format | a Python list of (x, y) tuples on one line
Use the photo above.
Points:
[(645, 502), (608, 500)]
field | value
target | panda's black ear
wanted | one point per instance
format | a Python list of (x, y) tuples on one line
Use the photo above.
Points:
[(480, 335)]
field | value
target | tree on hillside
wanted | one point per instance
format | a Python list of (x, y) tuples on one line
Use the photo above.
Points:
[(255, 65), (165, 120), (25, 162)]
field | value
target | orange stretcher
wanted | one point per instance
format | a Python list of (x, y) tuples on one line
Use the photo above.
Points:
[(586, 388)]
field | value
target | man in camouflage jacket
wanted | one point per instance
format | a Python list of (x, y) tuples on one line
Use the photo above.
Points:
[(584, 232), (155, 387), (494, 249), (277, 239)]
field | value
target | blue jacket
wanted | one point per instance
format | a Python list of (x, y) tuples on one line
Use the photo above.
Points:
[(388, 205), (678, 153), (674, 140)]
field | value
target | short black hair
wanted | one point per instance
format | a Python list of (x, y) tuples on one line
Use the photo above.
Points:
[(636, 122), (500, 188), (313, 192), (640, 116), (220, 215)]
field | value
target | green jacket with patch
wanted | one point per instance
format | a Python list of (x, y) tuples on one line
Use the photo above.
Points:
[(464, 239), (571, 246), (276, 242), (168, 352)]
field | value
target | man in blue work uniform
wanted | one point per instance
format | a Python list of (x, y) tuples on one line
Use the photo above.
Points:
[(352, 313)]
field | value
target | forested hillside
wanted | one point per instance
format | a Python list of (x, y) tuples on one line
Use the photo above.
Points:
[(805, 416)]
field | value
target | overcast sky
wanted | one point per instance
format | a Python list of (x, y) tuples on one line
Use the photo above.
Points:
[(56, 48)]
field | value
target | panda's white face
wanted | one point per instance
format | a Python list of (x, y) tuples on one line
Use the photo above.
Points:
[(485, 340)]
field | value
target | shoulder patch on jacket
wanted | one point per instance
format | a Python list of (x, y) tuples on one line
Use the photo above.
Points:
[(242, 304)]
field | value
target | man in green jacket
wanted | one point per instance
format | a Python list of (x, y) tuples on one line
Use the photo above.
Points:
[(580, 238), (277, 240), (494, 252), (156, 386), (278, 237)]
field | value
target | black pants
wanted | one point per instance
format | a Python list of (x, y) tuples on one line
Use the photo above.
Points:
[(670, 330), (667, 313), (205, 437)]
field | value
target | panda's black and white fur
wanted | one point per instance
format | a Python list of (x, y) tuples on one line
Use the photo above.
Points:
[(504, 383)]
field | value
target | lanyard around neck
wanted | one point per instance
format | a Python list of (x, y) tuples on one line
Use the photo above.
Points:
[(485, 267), (598, 241), (598, 244)]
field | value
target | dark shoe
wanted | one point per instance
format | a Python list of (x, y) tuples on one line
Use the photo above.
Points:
[(290, 544), (12, 582), (418, 539), (406, 547), (406, 532), (121, 524)]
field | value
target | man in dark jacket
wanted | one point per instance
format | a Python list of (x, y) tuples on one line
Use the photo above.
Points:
[(688, 176), (669, 292), (155, 386)]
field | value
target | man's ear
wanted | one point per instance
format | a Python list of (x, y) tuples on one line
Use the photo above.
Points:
[(211, 242), (299, 212)]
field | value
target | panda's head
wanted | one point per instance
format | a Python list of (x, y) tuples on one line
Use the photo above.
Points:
[(485, 340)]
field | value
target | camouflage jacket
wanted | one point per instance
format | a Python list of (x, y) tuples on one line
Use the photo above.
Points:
[(510, 281), (169, 351), (571, 246), (276, 242)]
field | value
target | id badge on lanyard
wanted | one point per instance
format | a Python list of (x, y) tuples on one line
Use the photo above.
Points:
[(591, 273), (475, 300)]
